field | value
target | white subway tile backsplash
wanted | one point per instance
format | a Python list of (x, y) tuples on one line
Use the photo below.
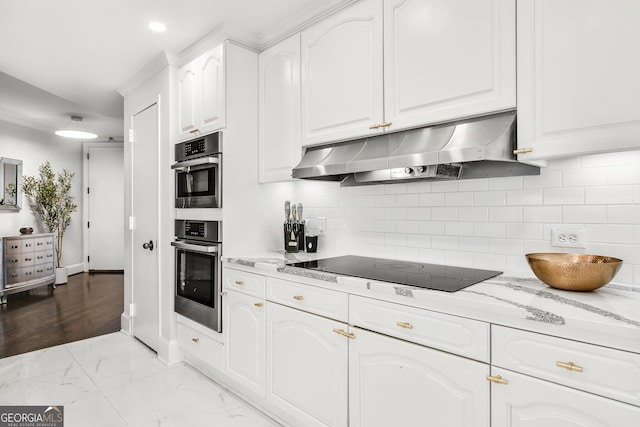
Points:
[(609, 195), (432, 227), (506, 183), (505, 214), (490, 223), (432, 199), (548, 178), (524, 197), (458, 228), (584, 214), (563, 196), (623, 214), (490, 198), (444, 214), (542, 214), (458, 199)]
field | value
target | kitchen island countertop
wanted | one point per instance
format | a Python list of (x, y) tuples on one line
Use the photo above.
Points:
[(609, 316)]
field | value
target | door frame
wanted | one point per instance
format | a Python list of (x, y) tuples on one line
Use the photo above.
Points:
[(86, 146)]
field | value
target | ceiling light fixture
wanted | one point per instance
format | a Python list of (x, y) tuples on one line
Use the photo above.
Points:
[(158, 27), (76, 130)]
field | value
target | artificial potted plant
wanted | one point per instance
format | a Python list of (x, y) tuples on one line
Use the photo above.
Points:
[(50, 200)]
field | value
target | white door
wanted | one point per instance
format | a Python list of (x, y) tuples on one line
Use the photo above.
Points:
[(396, 383), (529, 402), (342, 75), (105, 192), (244, 328), (307, 366), (447, 59), (144, 207)]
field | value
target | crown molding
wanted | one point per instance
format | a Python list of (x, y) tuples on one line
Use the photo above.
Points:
[(153, 67)]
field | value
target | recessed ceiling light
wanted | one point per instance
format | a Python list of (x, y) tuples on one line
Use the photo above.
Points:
[(158, 27)]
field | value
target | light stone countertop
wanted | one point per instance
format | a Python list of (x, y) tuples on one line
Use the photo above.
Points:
[(609, 316)]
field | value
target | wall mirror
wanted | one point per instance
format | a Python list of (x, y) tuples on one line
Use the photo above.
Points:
[(10, 184)]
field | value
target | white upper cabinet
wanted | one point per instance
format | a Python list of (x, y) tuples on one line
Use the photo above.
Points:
[(342, 74), (447, 59), (578, 77), (279, 98), (442, 60), (201, 95)]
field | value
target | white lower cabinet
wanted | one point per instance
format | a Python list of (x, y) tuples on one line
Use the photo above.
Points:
[(244, 326), (198, 346), (307, 366), (529, 402), (396, 383)]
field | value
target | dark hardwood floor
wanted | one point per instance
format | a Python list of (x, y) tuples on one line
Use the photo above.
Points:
[(87, 306)]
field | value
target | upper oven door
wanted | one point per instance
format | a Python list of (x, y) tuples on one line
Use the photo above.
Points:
[(198, 184)]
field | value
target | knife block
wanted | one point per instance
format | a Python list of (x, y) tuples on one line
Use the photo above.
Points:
[(291, 238)]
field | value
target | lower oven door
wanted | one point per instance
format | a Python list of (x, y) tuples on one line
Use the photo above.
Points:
[(198, 279)]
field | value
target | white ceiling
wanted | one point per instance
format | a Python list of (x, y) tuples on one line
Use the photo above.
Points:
[(64, 57)]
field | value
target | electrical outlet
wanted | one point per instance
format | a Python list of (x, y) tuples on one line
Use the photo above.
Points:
[(569, 237)]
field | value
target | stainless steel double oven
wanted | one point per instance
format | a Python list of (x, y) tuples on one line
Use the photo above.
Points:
[(199, 271)]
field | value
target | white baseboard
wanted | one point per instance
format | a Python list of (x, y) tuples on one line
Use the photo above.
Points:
[(75, 269), (125, 323)]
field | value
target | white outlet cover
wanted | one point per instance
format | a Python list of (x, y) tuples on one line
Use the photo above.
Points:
[(569, 237)]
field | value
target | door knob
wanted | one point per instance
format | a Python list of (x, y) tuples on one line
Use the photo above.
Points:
[(148, 245)]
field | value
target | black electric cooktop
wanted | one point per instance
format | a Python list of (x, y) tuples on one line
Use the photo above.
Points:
[(421, 275)]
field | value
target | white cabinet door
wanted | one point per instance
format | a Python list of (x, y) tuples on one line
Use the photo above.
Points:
[(201, 95), (578, 85), (447, 59), (342, 75), (528, 402), (396, 383), (279, 142), (307, 366), (187, 89), (212, 109), (244, 326)]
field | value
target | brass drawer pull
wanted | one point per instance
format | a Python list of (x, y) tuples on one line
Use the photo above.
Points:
[(258, 304), (195, 340), (344, 334), (523, 150), (569, 366), (239, 282), (497, 379), (386, 124), (298, 297), (194, 131), (405, 325), (376, 126)]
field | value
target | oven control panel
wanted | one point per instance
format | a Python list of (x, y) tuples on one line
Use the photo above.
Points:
[(206, 231)]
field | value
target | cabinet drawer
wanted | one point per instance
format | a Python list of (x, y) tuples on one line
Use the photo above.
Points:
[(43, 243), (325, 302), (28, 273), (28, 245), (14, 275), (27, 259), (604, 371), (241, 281), (13, 247), (469, 338), (40, 257), (13, 261), (42, 270), (196, 344)]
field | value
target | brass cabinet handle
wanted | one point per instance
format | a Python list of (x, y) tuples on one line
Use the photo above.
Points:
[(298, 297), (258, 304), (239, 282), (523, 150), (405, 325), (376, 126), (195, 340), (569, 366), (497, 379), (386, 124), (194, 131), (343, 333)]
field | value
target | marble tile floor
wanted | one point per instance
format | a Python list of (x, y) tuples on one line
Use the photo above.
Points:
[(114, 380)]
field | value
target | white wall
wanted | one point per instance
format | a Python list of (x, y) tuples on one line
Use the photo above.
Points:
[(34, 147), (483, 223)]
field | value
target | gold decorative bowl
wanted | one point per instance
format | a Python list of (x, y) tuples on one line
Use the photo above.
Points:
[(574, 272)]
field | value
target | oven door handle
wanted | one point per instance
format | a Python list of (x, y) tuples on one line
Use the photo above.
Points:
[(196, 248), (195, 162)]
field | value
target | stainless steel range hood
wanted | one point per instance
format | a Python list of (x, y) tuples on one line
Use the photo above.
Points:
[(481, 147)]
